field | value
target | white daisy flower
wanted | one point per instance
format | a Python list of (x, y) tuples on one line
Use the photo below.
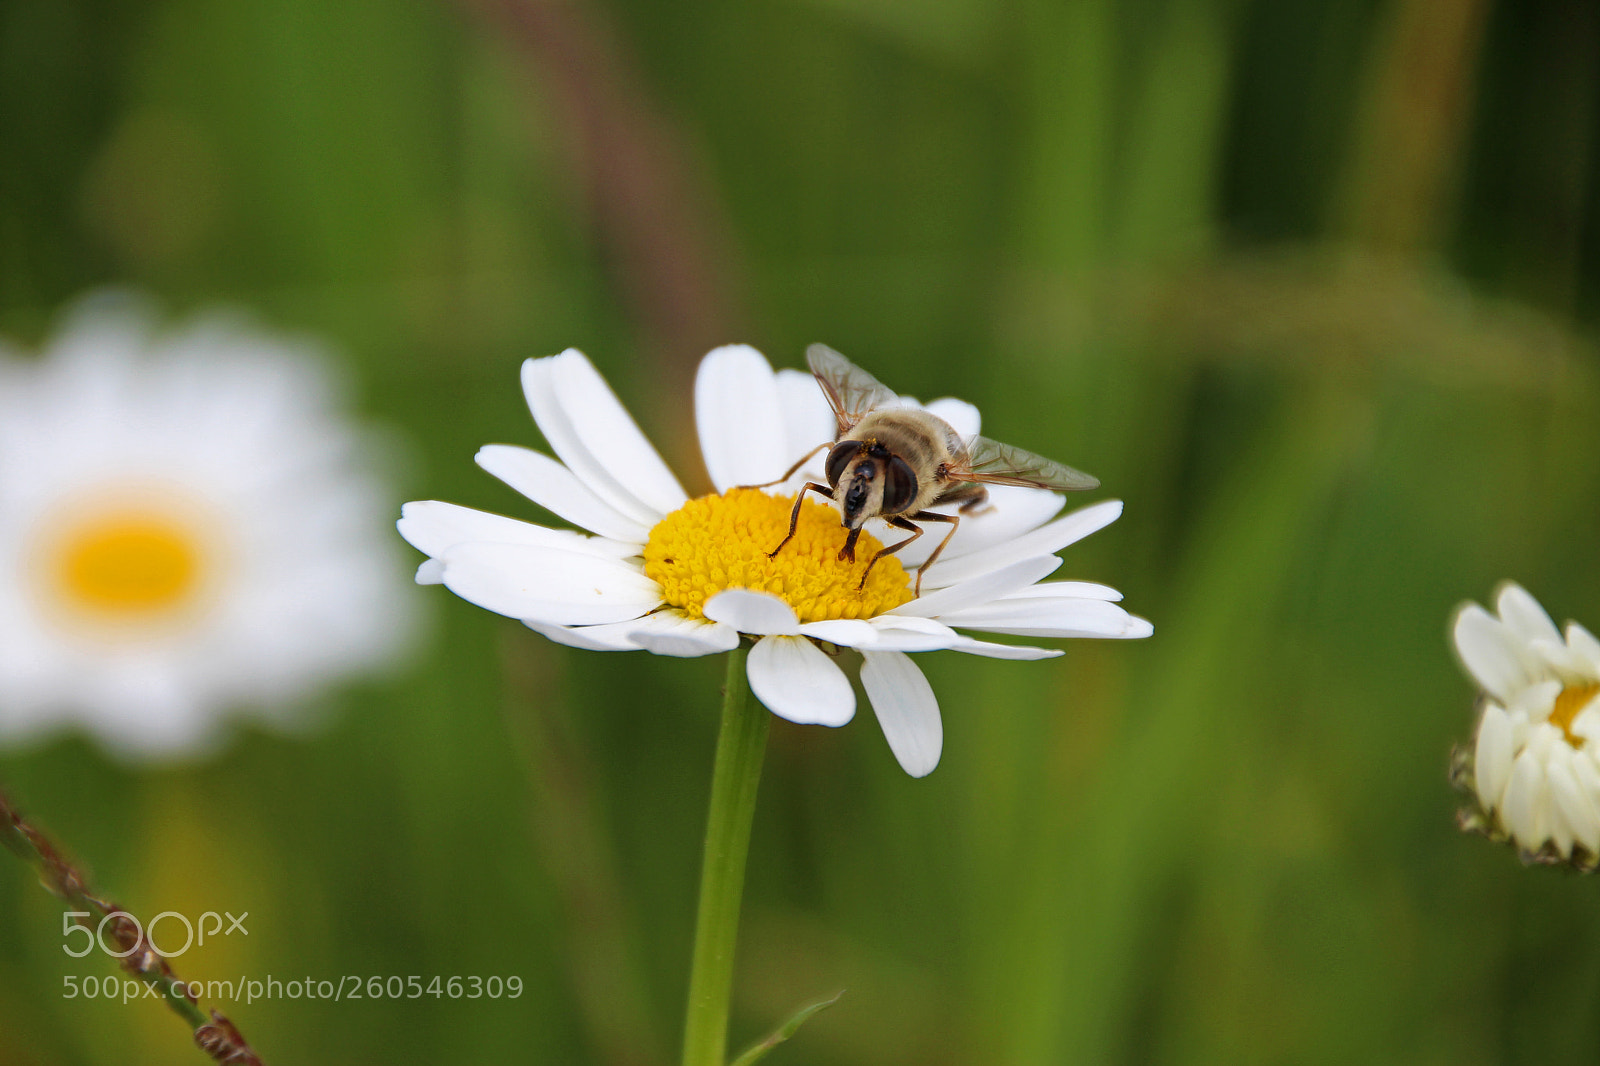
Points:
[(187, 529), (1535, 769), (676, 576)]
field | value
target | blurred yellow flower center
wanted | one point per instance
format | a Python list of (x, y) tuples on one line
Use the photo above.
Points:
[(721, 542), (1572, 700), (127, 565)]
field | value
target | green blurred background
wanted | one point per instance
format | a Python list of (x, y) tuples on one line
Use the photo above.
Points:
[(1311, 286)]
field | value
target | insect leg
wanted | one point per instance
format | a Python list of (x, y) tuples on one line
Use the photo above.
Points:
[(965, 493), (899, 523), (972, 496), (932, 516), (794, 515), (848, 552), (978, 503), (790, 472)]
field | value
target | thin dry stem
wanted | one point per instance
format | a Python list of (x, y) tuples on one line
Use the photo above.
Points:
[(651, 206), (216, 1035)]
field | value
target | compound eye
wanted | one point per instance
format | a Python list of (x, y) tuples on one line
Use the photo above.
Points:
[(899, 486), (839, 459)]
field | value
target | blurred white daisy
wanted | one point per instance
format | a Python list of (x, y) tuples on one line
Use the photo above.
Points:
[(676, 576), (1535, 769), (188, 529)]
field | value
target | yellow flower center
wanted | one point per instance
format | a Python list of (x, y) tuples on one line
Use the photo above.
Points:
[(125, 565), (1572, 700), (721, 542)]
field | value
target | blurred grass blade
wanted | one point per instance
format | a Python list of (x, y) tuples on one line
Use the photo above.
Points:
[(787, 1029)]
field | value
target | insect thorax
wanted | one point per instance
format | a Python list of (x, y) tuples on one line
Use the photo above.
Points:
[(922, 439)]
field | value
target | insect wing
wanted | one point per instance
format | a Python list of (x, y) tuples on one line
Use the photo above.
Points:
[(851, 391), (993, 463)]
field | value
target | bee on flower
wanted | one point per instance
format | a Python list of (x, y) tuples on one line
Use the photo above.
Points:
[(1534, 770), (657, 571)]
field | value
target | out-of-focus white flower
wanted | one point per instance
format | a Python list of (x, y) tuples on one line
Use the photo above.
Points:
[(188, 530), (1535, 769), (686, 577)]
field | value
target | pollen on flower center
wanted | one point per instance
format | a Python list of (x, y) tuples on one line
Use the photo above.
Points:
[(1572, 699), (721, 542), (126, 565)]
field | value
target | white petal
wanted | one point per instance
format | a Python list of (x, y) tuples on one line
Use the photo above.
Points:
[(1524, 796), (1524, 626), (613, 636), (435, 527), (961, 415), (1523, 616), (1577, 813), (740, 419), (1076, 590), (795, 680), (807, 419), (1537, 700), (1011, 512), (906, 708), (661, 633), (980, 590), (674, 633), (1482, 643), (846, 632), (1581, 641), (106, 326), (567, 441), (1045, 540), (910, 633), (749, 611), (1050, 618), (991, 650), (1556, 827), (612, 434), (431, 572), (558, 490), (1554, 657), (1588, 777), (1520, 729), (1543, 738), (593, 434), (548, 584), (1492, 758), (1586, 723)]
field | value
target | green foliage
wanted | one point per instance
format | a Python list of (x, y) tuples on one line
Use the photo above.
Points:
[(1143, 238), (785, 1031)]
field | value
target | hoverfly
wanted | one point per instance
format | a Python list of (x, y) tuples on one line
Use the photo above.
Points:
[(894, 462)]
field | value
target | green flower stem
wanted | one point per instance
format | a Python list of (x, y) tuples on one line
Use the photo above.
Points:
[(741, 745)]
